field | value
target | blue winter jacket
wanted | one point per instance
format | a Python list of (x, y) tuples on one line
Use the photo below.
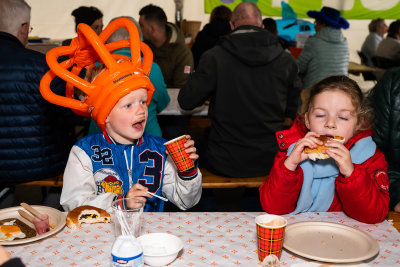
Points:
[(34, 142)]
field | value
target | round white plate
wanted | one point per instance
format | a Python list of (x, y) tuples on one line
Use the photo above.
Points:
[(329, 242), (56, 217)]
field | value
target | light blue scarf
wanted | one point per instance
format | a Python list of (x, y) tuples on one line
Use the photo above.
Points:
[(318, 187)]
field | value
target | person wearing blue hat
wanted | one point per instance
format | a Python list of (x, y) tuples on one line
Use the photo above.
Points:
[(327, 52)]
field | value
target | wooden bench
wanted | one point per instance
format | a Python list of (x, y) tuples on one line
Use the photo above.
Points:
[(210, 180), (56, 181)]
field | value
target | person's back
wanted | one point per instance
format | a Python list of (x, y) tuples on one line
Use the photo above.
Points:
[(389, 48), (212, 32), (385, 100), (250, 80), (377, 28), (326, 53), (31, 136)]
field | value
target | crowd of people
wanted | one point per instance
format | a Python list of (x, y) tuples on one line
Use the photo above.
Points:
[(254, 87)]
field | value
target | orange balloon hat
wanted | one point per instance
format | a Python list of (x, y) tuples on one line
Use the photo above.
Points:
[(117, 80)]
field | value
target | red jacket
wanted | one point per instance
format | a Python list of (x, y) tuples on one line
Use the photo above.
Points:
[(363, 195)]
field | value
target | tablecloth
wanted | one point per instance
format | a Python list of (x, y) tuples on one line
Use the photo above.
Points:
[(210, 239)]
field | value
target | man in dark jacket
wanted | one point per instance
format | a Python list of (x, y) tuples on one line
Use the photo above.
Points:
[(33, 141), (385, 100), (251, 82), (169, 49)]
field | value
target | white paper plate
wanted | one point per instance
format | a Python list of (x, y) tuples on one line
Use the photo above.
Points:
[(329, 242), (56, 217)]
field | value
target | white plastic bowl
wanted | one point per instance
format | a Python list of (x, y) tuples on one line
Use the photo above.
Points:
[(160, 249)]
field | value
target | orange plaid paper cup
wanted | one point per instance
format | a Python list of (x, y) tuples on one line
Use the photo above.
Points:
[(176, 149), (270, 232)]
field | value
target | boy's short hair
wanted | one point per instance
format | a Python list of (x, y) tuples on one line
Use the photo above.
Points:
[(154, 14)]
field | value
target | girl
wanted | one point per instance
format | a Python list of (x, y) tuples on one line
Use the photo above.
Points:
[(354, 179)]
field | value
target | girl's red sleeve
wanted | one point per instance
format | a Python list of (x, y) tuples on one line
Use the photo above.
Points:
[(281, 189), (364, 195)]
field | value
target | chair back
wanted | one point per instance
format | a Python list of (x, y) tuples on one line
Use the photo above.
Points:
[(384, 63), (368, 76)]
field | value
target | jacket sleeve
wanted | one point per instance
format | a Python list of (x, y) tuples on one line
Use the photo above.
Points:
[(201, 84), (182, 189), (184, 59), (79, 187), (281, 189), (383, 101), (293, 96), (160, 96), (364, 194), (306, 55)]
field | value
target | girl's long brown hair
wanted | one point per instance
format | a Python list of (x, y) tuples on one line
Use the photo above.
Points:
[(343, 83)]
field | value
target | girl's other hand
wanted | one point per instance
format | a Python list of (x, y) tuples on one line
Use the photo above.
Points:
[(341, 155)]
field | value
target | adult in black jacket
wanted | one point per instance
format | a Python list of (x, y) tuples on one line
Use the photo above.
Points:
[(34, 141), (212, 32), (251, 82), (385, 100)]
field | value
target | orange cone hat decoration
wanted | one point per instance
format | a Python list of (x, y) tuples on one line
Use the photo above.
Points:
[(116, 81)]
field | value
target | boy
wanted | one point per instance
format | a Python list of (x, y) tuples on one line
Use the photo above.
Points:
[(123, 161)]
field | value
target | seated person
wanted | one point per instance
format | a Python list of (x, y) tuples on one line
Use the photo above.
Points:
[(123, 161), (270, 25), (377, 29), (89, 15), (384, 98), (212, 32), (389, 48), (160, 97), (353, 179), (327, 52)]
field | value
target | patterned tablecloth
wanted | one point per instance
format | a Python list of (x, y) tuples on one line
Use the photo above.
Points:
[(210, 239)]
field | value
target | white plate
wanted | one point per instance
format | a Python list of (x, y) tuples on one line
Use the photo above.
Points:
[(329, 242), (56, 217)]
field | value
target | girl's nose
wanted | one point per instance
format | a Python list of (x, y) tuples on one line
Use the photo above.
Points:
[(330, 123)]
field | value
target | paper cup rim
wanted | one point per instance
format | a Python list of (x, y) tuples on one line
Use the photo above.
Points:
[(272, 217), (173, 140)]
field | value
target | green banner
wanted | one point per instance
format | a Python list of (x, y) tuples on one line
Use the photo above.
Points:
[(350, 9)]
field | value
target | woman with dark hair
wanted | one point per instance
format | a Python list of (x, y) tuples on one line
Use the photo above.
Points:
[(91, 16), (210, 34)]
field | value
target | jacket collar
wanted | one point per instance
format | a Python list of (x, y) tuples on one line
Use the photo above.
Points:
[(111, 140), (10, 37), (287, 137)]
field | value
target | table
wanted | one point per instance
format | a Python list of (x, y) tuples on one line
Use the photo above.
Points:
[(173, 107), (210, 239), (356, 68)]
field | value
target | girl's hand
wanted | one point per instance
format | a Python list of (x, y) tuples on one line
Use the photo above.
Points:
[(139, 192), (190, 148), (341, 155), (310, 140)]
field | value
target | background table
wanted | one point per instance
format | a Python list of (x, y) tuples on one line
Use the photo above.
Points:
[(210, 239), (173, 107)]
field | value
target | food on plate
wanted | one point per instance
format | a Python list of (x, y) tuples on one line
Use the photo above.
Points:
[(316, 153), (86, 214), (13, 228)]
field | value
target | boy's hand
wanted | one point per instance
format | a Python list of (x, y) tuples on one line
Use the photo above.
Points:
[(310, 140), (190, 148), (342, 157), (139, 192)]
